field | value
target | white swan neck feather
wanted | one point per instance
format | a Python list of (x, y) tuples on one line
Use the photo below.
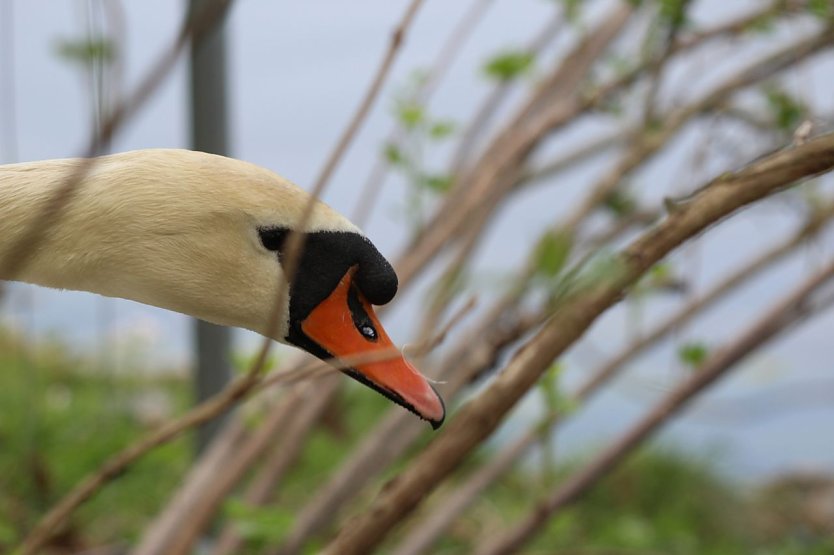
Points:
[(143, 220)]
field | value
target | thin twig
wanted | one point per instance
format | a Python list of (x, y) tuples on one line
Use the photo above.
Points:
[(166, 529), (443, 512), (17, 256), (479, 418), (296, 239), (445, 58), (608, 370), (793, 308), (234, 393)]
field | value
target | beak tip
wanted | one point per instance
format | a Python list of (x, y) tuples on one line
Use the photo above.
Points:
[(437, 422)]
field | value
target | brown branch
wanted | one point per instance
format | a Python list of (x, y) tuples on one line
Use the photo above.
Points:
[(479, 418), (648, 143), (578, 155), (298, 419), (193, 28), (297, 238), (393, 434), (797, 306), (482, 185), (295, 244), (442, 229), (651, 141), (496, 98), (443, 512), (812, 228), (116, 465), (666, 51), (445, 58)]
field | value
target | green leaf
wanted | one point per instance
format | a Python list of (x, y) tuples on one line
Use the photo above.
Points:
[(572, 9), (393, 154), (242, 363), (255, 523), (787, 111), (87, 50), (549, 388), (673, 11), (603, 268), (8, 535), (437, 183), (620, 203), (693, 354), (553, 252), (661, 272), (764, 24), (411, 114), (441, 129), (506, 66), (820, 8)]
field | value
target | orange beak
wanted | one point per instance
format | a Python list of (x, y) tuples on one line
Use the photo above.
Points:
[(345, 325)]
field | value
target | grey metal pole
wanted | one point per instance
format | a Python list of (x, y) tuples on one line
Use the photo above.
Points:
[(209, 133)]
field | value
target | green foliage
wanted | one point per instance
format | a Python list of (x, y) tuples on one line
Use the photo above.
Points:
[(620, 203), (693, 354), (243, 363), (661, 278), (509, 65), (603, 268), (762, 25), (571, 8), (87, 51), (556, 402), (258, 524), (673, 12), (441, 129), (59, 424), (820, 8), (421, 132), (393, 154), (437, 183), (787, 111), (411, 115), (658, 502), (549, 387), (552, 253)]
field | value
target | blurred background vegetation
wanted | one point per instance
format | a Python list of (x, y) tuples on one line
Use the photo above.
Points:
[(68, 399), (61, 417)]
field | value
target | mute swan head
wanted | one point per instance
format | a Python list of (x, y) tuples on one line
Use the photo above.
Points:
[(204, 235)]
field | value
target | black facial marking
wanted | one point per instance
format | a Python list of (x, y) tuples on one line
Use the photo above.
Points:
[(326, 258)]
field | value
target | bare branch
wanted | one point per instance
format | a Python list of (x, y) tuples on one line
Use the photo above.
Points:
[(444, 512), (448, 53), (17, 256), (795, 307), (476, 420), (294, 247), (813, 227)]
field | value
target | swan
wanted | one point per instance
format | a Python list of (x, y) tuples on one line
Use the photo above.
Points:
[(203, 235)]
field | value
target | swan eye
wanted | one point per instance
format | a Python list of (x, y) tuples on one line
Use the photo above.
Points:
[(273, 238), (369, 332), (361, 320)]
